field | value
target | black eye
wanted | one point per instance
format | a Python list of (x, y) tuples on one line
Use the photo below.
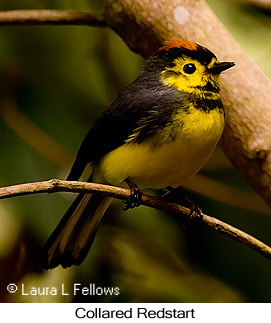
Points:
[(189, 68)]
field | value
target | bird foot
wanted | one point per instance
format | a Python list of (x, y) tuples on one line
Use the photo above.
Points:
[(195, 216), (135, 198)]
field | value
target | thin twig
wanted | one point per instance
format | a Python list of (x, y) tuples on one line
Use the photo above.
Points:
[(51, 17), (56, 185)]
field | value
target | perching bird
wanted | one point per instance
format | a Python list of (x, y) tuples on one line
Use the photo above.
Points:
[(158, 132)]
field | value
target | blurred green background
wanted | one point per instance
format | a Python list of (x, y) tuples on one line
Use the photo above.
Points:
[(55, 81)]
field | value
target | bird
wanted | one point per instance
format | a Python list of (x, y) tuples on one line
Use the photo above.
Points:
[(158, 132)]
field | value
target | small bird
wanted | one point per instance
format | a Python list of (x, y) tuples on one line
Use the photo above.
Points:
[(159, 131)]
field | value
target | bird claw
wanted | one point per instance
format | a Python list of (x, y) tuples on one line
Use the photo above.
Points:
[(195, 216), (135, 198)]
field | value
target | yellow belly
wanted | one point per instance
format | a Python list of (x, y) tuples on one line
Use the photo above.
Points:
[(170, 163)]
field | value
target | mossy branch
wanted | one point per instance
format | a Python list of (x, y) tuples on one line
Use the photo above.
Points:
[(56, 185)]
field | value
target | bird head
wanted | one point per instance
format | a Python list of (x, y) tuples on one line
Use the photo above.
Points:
[(190, 67)]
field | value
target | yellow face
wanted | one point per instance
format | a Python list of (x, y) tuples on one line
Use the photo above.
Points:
[(189, 75)]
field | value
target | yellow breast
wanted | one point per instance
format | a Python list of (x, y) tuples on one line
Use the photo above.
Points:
[(161, 161)]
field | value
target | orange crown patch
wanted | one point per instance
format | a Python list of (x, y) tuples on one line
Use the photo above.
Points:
[(178, 43)]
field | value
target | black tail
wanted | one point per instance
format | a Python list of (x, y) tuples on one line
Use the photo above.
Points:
[(71, 240)]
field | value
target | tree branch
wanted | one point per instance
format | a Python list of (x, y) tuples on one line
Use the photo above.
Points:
[(51, 17), (55, 185)]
